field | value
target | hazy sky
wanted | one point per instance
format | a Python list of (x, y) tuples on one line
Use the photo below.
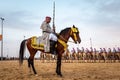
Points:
[(96, 19)]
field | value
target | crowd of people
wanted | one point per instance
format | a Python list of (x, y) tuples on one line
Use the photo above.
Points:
[(88, 55)]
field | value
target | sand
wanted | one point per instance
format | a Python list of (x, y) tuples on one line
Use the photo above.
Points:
[(10, 70)]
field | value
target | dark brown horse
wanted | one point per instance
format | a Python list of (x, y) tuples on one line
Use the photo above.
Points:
[(63, 38)]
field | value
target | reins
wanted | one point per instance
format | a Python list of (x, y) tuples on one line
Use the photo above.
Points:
[(66, 40)]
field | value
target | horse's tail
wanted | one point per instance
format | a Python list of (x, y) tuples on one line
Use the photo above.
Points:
[(21, 51)]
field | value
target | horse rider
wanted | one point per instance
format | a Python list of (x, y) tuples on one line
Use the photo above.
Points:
[(50, 39), (101, 50), (114, 50), (78, 50), (73, 50), (118, 49), (87, 50), (82, 49)]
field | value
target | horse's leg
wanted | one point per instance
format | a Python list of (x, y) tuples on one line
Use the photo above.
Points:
[(31, 60), (29, 64), (58, 68), (32, 52), (32, 64)]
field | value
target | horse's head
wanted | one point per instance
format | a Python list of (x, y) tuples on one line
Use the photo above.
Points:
[(74, 34)]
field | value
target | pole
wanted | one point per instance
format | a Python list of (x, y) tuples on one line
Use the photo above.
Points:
[(2, 19), (53, 16)]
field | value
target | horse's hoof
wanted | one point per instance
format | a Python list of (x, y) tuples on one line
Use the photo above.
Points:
[(60, 75), (36, 74), (57, 72)]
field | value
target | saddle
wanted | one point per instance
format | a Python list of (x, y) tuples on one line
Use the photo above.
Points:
[(36, 43)]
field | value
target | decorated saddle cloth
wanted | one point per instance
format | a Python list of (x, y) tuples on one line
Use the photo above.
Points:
[(37, 42), (42, 42)]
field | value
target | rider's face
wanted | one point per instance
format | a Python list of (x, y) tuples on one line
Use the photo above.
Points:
[(48, 20)]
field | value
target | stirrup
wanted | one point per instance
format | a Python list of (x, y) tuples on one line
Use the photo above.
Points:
[(54, 53)]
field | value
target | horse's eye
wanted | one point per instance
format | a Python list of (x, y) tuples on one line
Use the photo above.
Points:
[(77, 32)]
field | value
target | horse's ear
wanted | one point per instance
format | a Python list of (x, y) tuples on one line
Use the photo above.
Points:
[(73, 26)]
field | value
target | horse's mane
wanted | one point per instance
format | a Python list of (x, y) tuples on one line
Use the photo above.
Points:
[(64, 30)]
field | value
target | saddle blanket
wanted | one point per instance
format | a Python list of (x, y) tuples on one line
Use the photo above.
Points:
[(36, 43), (39, 42)]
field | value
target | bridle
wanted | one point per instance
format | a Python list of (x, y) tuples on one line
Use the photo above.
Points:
[(63, 41), (73, 32)]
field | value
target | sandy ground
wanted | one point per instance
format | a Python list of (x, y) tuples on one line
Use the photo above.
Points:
[(10, 70)]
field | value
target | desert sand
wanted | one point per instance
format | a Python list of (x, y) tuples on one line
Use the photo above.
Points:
[(10, 70)]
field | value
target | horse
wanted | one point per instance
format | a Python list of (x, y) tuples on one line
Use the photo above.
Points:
[(84, 54), (66, 56), (111, 55), (105, 55), (118, 55), (88, 55), (45, 57), (94, 56), (73, 55), (79, 55), (61, 46)]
